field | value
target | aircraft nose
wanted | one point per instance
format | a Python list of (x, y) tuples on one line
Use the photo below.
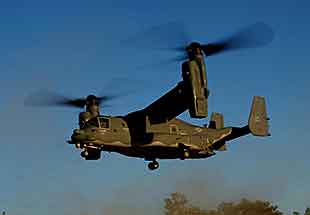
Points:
[(77, 134), (77, 131), (80, 135)]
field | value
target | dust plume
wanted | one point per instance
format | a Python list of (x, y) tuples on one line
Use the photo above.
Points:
[(179, 204)]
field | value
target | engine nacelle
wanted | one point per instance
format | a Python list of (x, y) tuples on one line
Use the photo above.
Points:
[(194, 76)]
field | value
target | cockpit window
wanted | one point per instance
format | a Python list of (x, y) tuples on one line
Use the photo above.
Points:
[(104, 122), (92, 123)]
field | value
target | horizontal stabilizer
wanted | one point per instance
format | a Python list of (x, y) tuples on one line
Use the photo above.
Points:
[(258, 120)]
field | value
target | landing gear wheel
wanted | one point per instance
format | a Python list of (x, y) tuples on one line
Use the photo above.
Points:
[(84, 154), (153, 165), (186, 153)]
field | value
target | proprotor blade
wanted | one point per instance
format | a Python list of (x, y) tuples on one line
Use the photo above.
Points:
[(169, 36), (253, 36), (48, 98)]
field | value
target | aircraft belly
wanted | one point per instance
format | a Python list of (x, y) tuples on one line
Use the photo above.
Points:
[(159, 149), (149, 153)]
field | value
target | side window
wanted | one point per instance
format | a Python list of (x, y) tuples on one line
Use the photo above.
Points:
[(173, 129), (104, 122)]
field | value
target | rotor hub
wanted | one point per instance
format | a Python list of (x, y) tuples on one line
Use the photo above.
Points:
[(92, 105), (193, 49)]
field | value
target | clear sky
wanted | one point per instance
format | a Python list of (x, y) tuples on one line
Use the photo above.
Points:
[(74, 48)]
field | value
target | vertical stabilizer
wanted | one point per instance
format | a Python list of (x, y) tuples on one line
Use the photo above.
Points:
[(258, 120), (216, 121)]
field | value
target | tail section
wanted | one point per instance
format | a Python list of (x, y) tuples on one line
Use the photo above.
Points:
[(258, 120)]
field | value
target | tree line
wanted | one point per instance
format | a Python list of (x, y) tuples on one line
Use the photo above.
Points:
[(178, 204)]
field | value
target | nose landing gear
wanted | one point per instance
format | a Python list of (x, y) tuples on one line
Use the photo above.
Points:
[(153, 165), (91, 154)]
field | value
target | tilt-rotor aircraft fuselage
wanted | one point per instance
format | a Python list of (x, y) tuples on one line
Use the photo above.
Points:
[(155, 133)]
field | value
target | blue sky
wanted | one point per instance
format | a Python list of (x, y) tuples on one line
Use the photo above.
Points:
[(74, 48)]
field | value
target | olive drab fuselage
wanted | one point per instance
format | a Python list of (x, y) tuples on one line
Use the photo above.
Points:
[(158, 141)]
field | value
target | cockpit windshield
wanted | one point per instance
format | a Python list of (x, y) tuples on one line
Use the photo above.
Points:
[(92, 123), (98, 122)]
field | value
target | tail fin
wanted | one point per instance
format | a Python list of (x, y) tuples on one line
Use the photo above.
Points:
[(217, 122), (258, 120)]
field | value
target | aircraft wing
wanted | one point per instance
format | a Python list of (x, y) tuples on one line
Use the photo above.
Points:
[(169, 106)]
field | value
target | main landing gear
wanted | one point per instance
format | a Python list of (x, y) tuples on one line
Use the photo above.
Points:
[(153, 165)]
